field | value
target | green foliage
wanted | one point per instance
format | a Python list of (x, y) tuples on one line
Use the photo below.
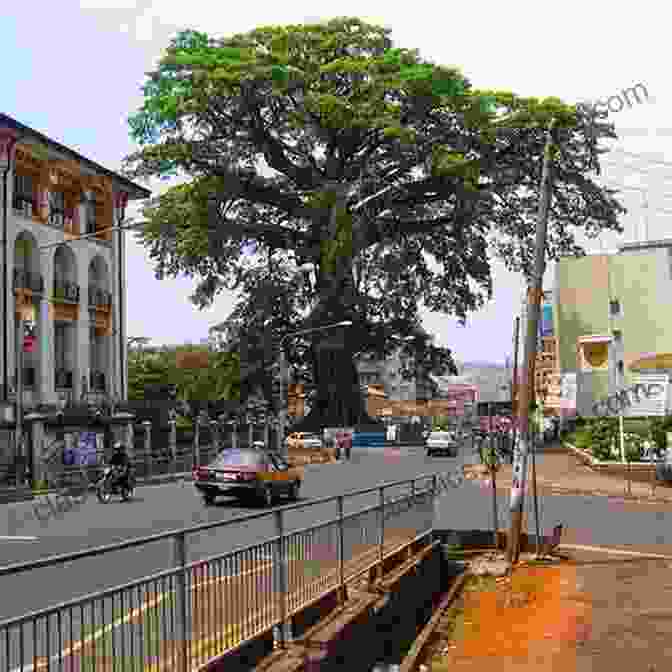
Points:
[(603, 437), (220, 380), (432, 168), (659, 429)]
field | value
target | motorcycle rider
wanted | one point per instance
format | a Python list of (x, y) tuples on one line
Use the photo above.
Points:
[(121, 463)]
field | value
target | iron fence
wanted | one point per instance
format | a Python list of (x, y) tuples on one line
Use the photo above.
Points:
[(180, 618)]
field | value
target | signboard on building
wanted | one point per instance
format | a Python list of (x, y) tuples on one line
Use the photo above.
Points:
[(655, 401), (87, 449), (546, 323)]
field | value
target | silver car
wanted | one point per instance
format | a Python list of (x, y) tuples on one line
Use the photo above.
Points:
[(441, 442)]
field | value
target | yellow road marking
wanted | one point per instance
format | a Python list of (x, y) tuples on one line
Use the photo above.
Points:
[(101, 632)]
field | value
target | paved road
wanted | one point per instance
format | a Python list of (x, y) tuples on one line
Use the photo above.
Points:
[(172, 506), (167, 507)]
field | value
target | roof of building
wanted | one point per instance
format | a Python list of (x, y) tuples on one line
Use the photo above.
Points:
[(135, 191)]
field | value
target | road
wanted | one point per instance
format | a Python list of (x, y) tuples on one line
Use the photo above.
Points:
[(172, 506)]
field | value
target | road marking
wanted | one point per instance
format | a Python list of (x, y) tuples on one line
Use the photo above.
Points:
[(16, 538), (101, 632), (618, 551)]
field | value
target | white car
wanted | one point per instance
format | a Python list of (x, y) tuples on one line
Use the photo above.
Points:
[(441, 442), (303, 440)]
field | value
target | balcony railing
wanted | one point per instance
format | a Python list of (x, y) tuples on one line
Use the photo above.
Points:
[(28, 280), (24, 206), (67, 291), (63, 378), (97, 381), (99, 298)]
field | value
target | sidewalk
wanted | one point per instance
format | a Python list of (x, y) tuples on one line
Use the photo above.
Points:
[(598, 612), (560, 472)]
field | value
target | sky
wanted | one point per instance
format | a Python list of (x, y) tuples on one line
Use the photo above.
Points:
[(73, 71)]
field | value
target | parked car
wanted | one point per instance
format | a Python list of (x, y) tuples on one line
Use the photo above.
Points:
[(254, 473), (441, 442), (304, 440)]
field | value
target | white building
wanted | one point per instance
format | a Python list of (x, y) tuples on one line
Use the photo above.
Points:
[(69, 293)]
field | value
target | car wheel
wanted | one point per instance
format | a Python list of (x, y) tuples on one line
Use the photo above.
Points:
[(208, 499), (429, 453), (294, 491)]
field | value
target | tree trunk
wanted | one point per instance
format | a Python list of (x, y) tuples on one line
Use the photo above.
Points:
[(338, 401)]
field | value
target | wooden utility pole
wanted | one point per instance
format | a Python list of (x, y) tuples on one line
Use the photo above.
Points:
[(535, 292)]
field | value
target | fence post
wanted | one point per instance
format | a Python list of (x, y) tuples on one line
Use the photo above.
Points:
[(413, 503), (341, 551), (381, 539), (172, 444), (283, 632), (147, 426), (196, 460), (181, 606), (216, 436)]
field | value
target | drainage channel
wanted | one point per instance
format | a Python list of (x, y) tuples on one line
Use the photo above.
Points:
[(406, 640)]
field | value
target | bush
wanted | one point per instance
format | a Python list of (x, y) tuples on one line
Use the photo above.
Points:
[(659, 428)]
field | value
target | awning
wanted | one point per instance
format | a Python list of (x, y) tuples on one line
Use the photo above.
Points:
[(652, 362)]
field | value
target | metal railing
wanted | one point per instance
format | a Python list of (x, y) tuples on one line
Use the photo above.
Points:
[(99, 298), (24, 279), (67, 291), (180, 618)]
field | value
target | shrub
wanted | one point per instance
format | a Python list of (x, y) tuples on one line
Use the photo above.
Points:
[(659, 428), (603, 437)]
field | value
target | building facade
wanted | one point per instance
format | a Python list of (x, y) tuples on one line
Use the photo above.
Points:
[(613, 321), (65, 298)]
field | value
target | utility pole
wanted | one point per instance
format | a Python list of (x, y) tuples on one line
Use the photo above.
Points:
[(535, 290), (515, 387)]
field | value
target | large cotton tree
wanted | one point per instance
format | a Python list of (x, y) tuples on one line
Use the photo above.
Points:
[(392, 175)]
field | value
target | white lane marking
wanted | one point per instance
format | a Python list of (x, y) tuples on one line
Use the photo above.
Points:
[(17, 538)]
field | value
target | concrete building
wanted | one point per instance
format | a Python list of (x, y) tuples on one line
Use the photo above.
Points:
[(613, 320), (69, 294)]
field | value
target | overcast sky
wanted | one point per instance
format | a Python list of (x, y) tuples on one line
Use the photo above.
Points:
[(73, 71)]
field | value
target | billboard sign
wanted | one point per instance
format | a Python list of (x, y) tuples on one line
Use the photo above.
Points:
[(546, 323)]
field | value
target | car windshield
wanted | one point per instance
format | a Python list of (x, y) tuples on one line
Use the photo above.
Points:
[(239, 458), (441, 435)]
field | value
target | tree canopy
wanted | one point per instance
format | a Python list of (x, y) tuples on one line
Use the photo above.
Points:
[(394, 176), (198, 387)]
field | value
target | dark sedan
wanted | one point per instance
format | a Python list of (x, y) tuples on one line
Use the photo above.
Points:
[(255, 473)]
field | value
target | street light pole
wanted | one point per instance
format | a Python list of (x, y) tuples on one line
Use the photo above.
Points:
[(8, 142)]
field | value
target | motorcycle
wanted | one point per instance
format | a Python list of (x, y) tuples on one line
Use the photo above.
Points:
[(109, 485)]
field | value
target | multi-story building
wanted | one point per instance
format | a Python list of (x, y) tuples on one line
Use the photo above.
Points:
[(589, 294), (612, 319), (67, 295)]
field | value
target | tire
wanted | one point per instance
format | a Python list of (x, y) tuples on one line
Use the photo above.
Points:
[(267, 498), (429, 453), (103, 493), (208, 499), (294, 491), (127, 494)]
